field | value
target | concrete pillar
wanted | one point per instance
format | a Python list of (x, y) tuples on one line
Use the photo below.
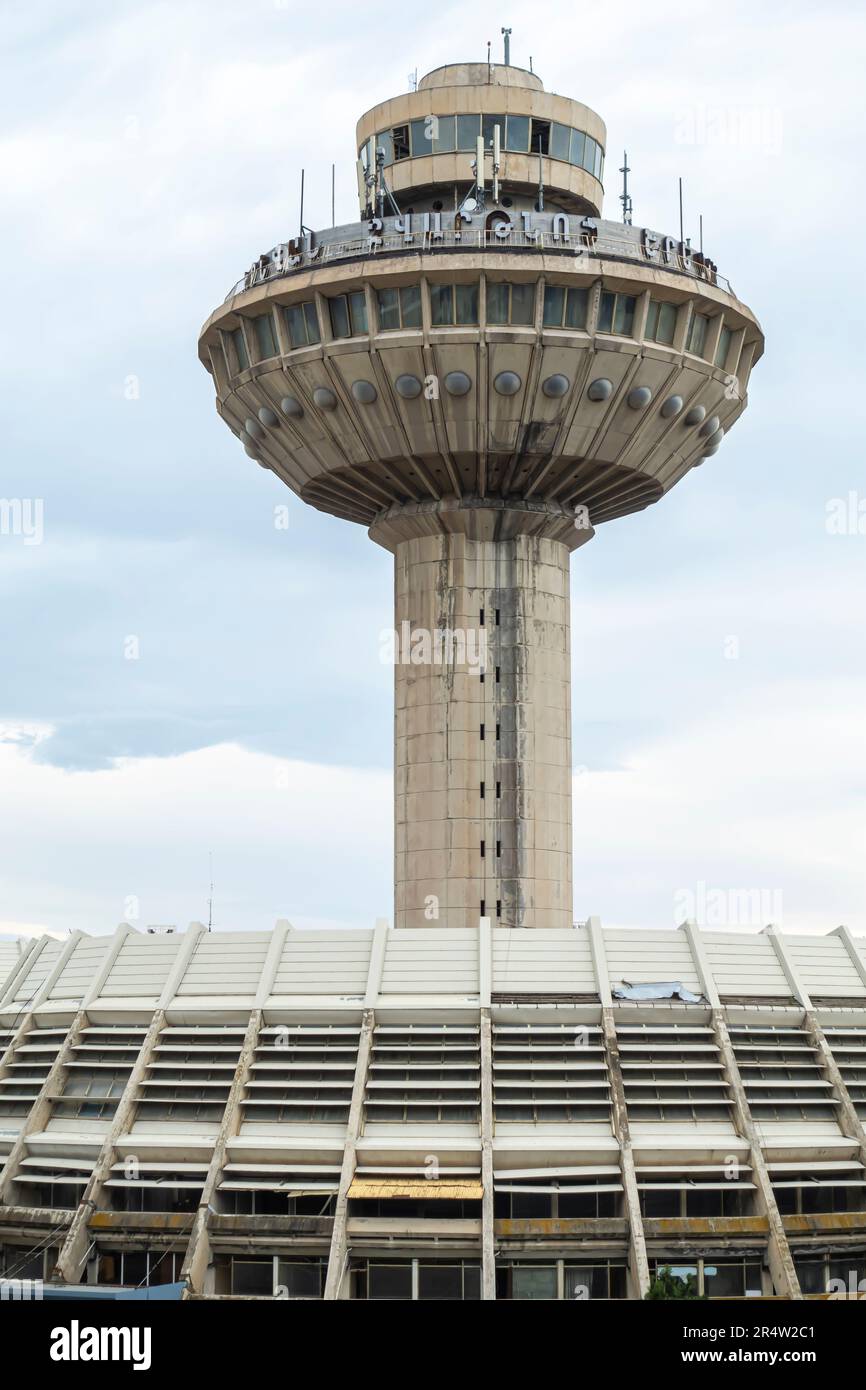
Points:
[(482, 766), (336, 1283), (73, 1253), (637, 1273), (198, 1252), (781, 1264), (488, 1249)]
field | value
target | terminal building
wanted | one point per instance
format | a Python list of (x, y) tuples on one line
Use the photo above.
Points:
[(485, 1099), (440, 1113)]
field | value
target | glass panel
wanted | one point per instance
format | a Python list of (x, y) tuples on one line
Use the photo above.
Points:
[(540, 136), (240, 349), (385, 142), (440, 1282), (527, 1282), (497, 303), (697, 334), (623, 319), (389, 1281), (311, 319), (522, 303), (560, 140), (445, 140), (410, 305), (554, 305), (358, 312), (517, 134), (605, 313), (265, 336), (296, 324), (667, 323), (812, 1275), (471, 1281), (576, 308), (599, 162), (422, 138), (578, 139), (724, 347), (652, 319), (468, 130), (467, 303), (301, 1280), (441, 304), (389, 309), (724, 1281), (487, 124), (589, 154), (340, 318), (253, 1276)]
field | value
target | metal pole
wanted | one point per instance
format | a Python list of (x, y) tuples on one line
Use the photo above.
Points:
[(681, 212), (701, 226), (333, 176), (302, 205)]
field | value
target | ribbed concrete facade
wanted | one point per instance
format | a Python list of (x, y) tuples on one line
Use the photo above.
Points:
[(437, 1113)]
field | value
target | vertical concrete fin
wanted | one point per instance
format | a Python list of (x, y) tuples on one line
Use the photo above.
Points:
[(638, 1263), (377, 962), (798, 989), (781, 1263), (599, 961), (488, 1251), (336, 1281), (702, 964), (198, 1251), (72, 1259)]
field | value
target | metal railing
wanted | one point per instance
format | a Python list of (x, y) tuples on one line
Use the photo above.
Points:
[(581, 248)]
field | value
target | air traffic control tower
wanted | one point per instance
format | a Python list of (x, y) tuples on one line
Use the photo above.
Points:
[(482, 371)]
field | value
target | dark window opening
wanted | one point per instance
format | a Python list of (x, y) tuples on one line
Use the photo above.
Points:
[(539, 140)]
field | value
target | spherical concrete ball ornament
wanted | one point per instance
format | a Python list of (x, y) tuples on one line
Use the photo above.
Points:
[(409, 387), (324, 398), (291, 407), (715, 439), (556, 385), (458, 384), (710, 426), (601, 389), (253, 428), (639, 397), (695, 415), (507, 384), (251, 451), (268, 417), (708, 452), (672, 406), (364, 392)]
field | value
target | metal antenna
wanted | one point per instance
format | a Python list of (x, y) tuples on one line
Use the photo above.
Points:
[(625, 196), (413, 80), (210, 899), (302, 205), (333, 178), (701, 232), (506, 33), (681, 212)]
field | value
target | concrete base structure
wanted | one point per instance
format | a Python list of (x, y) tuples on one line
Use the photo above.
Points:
[(457, 1113)]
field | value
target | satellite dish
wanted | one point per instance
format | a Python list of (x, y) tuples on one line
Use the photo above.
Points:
[(469, 205)]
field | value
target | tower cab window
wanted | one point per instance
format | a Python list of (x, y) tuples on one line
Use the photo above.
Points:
[(509, 303), (723, 348), (302, 324), (400, 308), (517, 134), (661, 322), (468, 130), (616, 314), (565, 308), (698, 334), (242, 360), (266, 343), (400, 136), (348, 315), (539, 142), (453, 304)]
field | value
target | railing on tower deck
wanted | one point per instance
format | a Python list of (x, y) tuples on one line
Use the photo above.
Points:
[(584, 247)]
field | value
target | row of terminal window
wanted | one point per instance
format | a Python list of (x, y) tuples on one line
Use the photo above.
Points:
[(457, 305), (455, 134)]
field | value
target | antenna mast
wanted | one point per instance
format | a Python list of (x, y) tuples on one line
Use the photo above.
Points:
[(625, 196), (210, 899), (506, 34)]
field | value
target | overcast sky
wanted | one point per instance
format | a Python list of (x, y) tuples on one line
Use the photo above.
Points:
[(180, 678)]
